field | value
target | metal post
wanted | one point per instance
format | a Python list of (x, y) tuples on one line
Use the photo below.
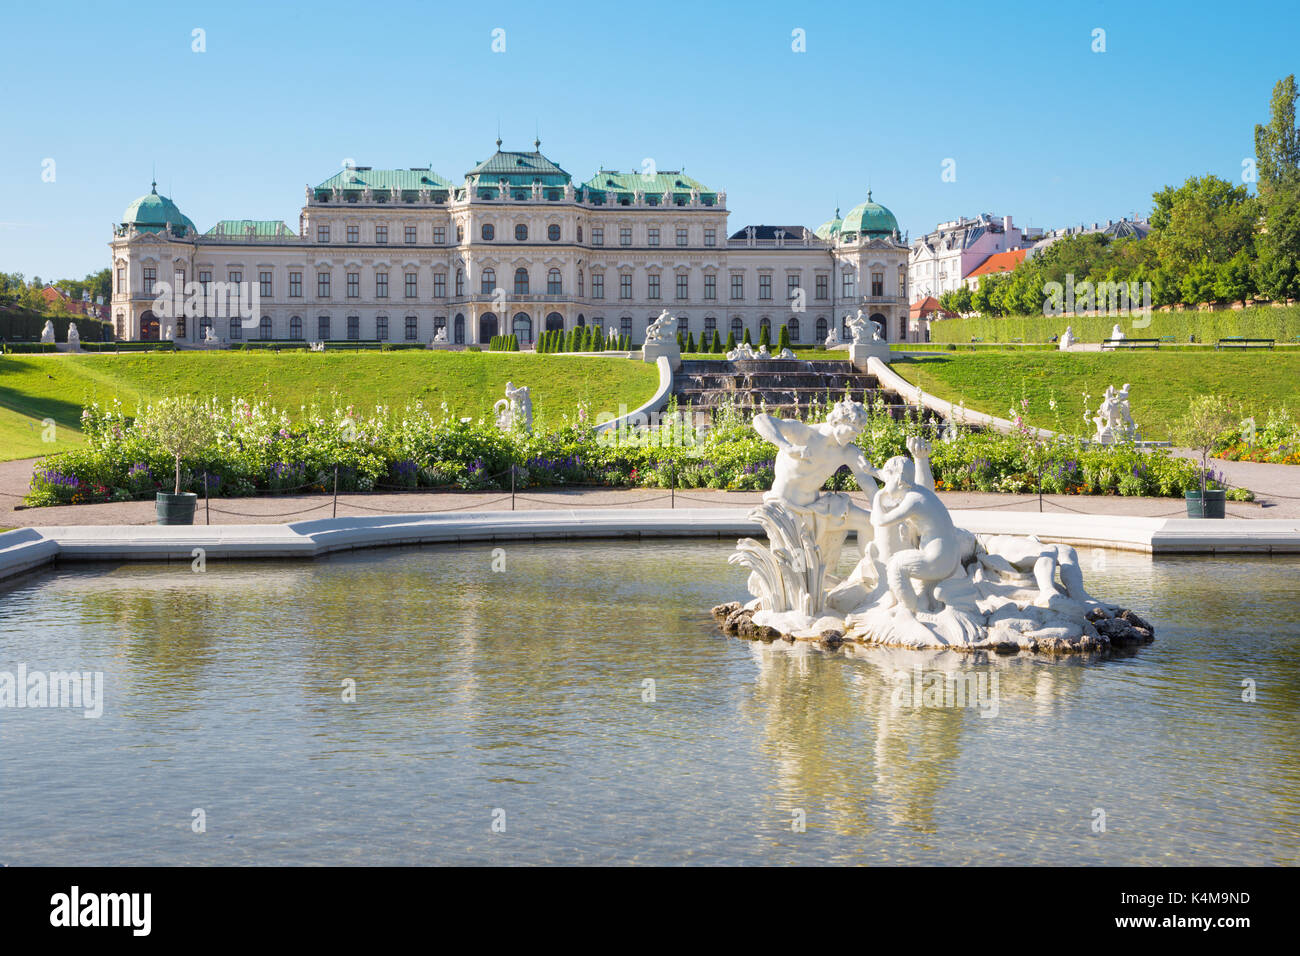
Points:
[(336, 492), (1040, 486), (672, 484), (207, 508), (512, 486)]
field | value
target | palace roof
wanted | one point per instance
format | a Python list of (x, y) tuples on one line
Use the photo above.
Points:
[(362, 177), (254, 228)]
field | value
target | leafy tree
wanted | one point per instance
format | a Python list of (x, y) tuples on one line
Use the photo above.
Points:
[(1206, 218), (1277, 145), (1232, 282)]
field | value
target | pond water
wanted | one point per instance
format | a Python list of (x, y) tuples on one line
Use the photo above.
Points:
[(504, 716)]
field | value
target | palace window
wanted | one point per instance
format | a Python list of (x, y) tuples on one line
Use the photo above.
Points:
[(381, 285), (439, 235), (683, 286), (877, 283), (381, 328), (440, 285), (323, 328), (121, 278), (236, 327), (295, 327), (738, 327), (458, 330), (597, 236), (710, 237), (792, 285), (682, 236), (180, 326), (488, 281), (521, 281), (553, 232), (684, 324), (205, 323), (625, 326), (765, 323), (711, 287), (354, 327), (625, 286), (354, 233), (823, 287), (737, 286), (354, 285), (653, 237), (295, 285), (765, 286), (580, 286), (460, 233), (460, 282), (521, 232), (653, 290), (410, 235), (846, 285), (381, 234), (264, 284), (323, 233), (792, 325), (235, 278), (150, 277), (412, 285), (554, 285), (205, 280), (488, 232), (625, 236), (322, 285), (710, 325), (598, 285), (412, 326)]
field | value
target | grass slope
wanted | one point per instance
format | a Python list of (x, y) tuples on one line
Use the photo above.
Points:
[(1162, 383), (38, 387)]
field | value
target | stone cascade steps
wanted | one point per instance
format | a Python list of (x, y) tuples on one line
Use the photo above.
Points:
[(783, 387)]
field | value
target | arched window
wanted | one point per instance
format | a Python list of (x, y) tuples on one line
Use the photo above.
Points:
[(625, 326), (553, 232), (793, 327), (460, 282), (554, 321), (554, 286), (487, 327), (488, 232), (180, 327), (521, 232), (523, 328), (205, 324), (902, 328), (822, 330), (684, 324), (236, 327), (521, 281), (265, 327), (295, 327), (488, 281), (765, 323), (580, 232), (459, 331), (460, 233), (738, 327)]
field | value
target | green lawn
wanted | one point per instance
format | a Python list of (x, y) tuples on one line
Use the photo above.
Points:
[(1162, 382), (38, 387)]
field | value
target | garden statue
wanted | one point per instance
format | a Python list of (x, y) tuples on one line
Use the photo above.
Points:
[(515, 410), (47, 333), (863, 329), (1117, 333), (440, 336), (313, 346), (74, 338), (661, 341), (833, 338), (210, 338), (1067, 340), (168, 334), (662, 329), (1114, 418), (920, 581)]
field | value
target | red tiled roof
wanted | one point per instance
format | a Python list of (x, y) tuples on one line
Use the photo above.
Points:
[(999, 262), (927, 306)]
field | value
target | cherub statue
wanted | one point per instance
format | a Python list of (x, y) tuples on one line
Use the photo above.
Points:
[(912, 573)]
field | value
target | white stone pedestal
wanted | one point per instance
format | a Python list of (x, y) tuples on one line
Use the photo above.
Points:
[(860, 352), (651, 351)]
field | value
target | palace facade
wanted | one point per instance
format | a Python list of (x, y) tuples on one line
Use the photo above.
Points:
[(518, 247)]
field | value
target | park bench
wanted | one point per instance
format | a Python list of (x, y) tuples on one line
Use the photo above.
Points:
[(1167, 338), (1130, 344), (1239, 342)]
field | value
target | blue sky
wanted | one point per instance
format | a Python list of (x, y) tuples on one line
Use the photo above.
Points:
[(1040, 127)]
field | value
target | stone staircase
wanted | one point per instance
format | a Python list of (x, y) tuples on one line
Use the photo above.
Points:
[(785, 387)]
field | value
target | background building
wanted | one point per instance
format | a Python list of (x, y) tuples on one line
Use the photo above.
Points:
[(518, 247)]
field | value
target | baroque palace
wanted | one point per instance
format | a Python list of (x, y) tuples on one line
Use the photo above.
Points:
[(398, 254)]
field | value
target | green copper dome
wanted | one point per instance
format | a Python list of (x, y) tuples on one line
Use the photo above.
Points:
[(829, 228), (868, 221), (154, 213)]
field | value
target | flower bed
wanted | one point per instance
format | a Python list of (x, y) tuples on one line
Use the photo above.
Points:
[(259, 449)]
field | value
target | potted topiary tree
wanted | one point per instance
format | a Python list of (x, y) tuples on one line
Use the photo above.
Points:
[(183, 427), (1206, 418)]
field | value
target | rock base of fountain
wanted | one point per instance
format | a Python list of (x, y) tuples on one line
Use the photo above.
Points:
[(1010, 630)]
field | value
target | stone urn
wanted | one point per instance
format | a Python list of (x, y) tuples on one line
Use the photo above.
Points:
[(175, 509), (1210, 506)]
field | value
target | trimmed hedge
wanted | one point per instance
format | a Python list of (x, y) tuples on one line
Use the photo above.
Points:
[(1281, 323), (20, 325)]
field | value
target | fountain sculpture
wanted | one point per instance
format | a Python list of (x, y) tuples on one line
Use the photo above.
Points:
[(515, 410), (921, 582), (1114, 418)]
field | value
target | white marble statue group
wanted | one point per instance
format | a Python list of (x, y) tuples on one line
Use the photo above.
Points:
[(515, 411), (748, 352), (921, 581), (861, 331), (74, 337), (1114, 418)]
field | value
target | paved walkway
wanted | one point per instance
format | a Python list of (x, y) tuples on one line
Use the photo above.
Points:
[(1278, 487)]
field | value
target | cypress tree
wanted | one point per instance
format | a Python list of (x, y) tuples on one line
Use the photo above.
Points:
[(731, 340), (748, 340), (783, 340), (765, 337), (690, 342), (717, 343)]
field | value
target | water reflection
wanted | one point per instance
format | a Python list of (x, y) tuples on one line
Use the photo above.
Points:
[(584, 689)]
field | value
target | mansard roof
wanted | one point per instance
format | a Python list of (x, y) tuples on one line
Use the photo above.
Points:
[(668, 182), (257, 228), (362, 177), (519, 169)]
